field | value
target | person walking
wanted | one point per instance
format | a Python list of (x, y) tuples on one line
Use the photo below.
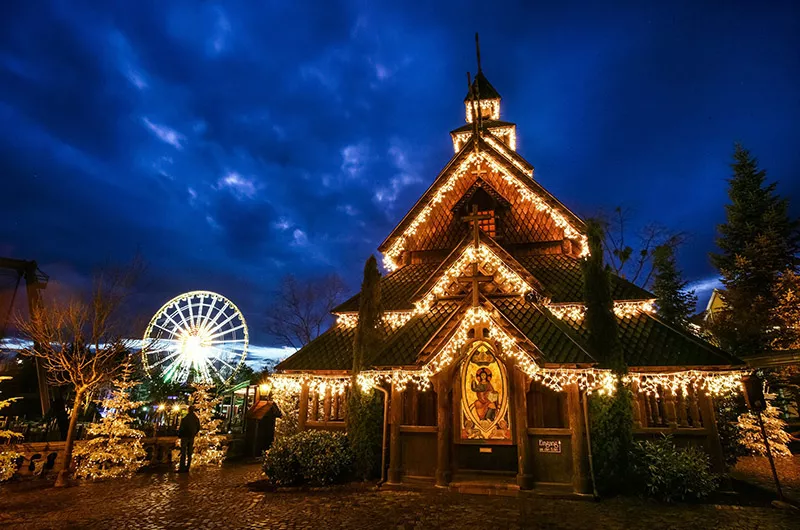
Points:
[(188, 429)]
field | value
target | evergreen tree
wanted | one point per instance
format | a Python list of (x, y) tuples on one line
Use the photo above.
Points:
[(753, 439), (209, 448), (364, 407), (758, 242), (8, 458), (115, 448), (611, 416), (600, 319), (675, 303), (786, 313)]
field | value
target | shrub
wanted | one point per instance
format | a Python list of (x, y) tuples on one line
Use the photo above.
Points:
[(316, 458), (612, 440), (8, 464), (364, 432), (669, 473)]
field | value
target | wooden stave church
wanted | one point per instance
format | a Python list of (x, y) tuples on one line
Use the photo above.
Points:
[(486, 197)]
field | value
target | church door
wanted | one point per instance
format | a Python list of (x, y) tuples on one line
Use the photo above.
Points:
[(483, 436)]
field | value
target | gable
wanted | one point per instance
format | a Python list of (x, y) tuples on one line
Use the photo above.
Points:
[(534, 214)]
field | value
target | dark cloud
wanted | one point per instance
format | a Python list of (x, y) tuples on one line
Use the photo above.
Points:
[(234, 142)]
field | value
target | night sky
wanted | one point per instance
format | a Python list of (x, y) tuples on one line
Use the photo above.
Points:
[(232, 143)]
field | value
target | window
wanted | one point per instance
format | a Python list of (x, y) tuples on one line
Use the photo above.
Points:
[(488, 225)]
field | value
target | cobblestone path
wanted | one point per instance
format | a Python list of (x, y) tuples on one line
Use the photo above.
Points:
[(220, 498)]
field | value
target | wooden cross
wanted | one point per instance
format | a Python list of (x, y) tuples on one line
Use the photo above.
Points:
[(475, 280), (475, 218)]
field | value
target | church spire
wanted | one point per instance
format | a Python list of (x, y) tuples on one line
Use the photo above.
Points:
[(488, 97)]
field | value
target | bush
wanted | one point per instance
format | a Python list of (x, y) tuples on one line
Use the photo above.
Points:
[(364, 432), (316, 458), (669, 473), (612, 440)]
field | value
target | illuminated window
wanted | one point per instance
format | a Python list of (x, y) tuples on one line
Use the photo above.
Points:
[(488, 225)]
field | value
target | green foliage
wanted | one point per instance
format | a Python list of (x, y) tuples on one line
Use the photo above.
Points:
[(600, 319), (758, 242), (728, 409), (364, 423), (611, 424), (368, 330), (315, 458), (364, 411), (753, 438), (670, 474), (675, 303)]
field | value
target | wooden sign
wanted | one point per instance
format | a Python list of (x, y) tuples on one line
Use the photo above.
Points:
[(550, 446)]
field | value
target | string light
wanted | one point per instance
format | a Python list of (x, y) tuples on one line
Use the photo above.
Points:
[(622, 309), (493, 105), (711, 383), (397, 247), (487, 260), (398, 378), (509, 132), (319, 384), (391, 319)]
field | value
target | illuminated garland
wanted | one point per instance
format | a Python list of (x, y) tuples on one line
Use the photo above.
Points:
[(492, 104), (293, 383), (711, 383), (587, 379), (398, 378), (510, 131), (392, 319), (482, 255), (623, 309), (394, 251)]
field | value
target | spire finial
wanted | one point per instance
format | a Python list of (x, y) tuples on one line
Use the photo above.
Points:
[(478, 51)]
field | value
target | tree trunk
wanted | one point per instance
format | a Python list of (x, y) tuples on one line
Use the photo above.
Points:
[(63, 475)]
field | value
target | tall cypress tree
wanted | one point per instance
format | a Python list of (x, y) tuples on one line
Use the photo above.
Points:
[(364, 408), (611, 417), (758, 242), (600, 320), (675, 303)]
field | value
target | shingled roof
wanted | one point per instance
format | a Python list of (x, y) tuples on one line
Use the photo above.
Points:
[(562, 278), (402, 348), (485, 88), (558, 343), (331, 351), (396, 288)]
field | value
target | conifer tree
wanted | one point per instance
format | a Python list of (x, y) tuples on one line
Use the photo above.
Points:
[(675, 303), (753, 439), (757, 242), (8, 458), (115, 448), (363, 406), (209, 447), (611, 416)]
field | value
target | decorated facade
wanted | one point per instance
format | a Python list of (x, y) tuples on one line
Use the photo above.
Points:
[(485, 357)]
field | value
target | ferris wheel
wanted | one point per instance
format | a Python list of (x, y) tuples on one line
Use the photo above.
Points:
[(198, 337)]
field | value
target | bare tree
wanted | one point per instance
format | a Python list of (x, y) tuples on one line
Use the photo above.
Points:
[(301, 308), (81, 342), (635, 264)]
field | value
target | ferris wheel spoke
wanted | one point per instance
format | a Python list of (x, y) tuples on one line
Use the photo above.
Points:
[(177, 326), (211, 321), (165, 359), (171, 332), (191, 311), (240, 326), (218, 326)]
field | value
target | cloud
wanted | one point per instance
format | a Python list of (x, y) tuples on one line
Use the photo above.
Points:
[(241, 187), (165, 134)]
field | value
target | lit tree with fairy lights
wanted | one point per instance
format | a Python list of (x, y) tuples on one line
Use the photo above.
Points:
[(752, 438), (8, 459), (209, 448), (115, 449)]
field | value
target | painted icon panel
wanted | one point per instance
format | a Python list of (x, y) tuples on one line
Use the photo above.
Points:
[(484, 397)]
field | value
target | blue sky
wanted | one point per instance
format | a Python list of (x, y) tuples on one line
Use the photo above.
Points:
[(234, 142)]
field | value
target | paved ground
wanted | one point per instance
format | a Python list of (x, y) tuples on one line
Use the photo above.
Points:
[(220, 498), (756, 469)]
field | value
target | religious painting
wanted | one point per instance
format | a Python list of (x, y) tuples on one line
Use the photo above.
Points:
[(484, 397)]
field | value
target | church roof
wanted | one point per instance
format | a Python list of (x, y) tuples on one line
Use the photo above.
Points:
[(485, 124), (528, 248), (507, 161), (485, 88)]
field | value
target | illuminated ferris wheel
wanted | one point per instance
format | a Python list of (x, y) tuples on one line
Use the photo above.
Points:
[(198, 337)]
